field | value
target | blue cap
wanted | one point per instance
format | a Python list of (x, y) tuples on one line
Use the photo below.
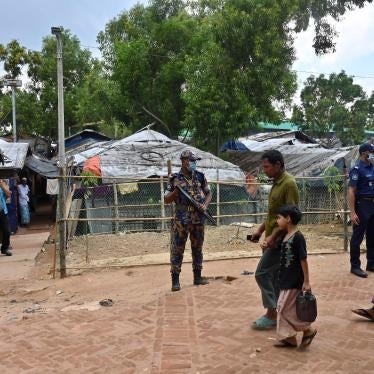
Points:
[(366, 147), (190, 155)]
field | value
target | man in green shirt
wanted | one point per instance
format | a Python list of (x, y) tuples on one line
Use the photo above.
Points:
[(284, 191)]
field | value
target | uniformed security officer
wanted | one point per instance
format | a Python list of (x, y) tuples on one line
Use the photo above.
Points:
[(188, 220), (361, 205)]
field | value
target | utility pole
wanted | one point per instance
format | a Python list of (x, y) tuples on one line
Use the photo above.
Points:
[(61, 151), (13, 83)]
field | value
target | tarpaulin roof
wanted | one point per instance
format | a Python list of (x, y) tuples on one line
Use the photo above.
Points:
[(14, 154), (46, 168), (303, 156), (83, 137), (87, 150), (145, 154)]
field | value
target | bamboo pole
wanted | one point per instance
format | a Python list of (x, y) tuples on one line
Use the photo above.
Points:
[(55, 252), (136, 219), (162, 202), (218, 199)]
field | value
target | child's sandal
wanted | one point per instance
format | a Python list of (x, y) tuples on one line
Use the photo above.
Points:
[(307, 340)]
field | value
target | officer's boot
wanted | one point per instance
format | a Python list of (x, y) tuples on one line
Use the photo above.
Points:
[(198, 280), (175, 286)]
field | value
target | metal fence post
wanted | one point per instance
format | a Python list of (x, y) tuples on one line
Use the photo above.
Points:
[(218, 199), (115, 198), (345, 204), (162, 203)]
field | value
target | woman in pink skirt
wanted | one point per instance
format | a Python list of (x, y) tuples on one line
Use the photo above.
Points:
[(293, 277)]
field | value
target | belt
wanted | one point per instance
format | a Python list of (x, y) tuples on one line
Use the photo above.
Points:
[(185, 208), (367, 198)]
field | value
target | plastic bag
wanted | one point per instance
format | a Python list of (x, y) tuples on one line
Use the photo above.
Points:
[(306, 307)]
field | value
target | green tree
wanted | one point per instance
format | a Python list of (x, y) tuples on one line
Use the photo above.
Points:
[(29, 113), (99, 101), (321, 12), (43, 74), (148, 61), (371, 112), (240, 72), (335, 103), (213, 66), (213, 70), (14, 57)]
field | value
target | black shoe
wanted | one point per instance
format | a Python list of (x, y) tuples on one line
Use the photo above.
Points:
[(6, 252), (175, 286), (359, 272), (370, 268)]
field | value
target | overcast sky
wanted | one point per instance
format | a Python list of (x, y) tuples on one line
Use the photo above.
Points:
[(30, 20)]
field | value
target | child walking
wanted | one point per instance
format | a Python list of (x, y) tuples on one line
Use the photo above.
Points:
[(293, 277)]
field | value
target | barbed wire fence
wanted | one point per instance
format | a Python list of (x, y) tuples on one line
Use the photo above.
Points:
[(126, 222)]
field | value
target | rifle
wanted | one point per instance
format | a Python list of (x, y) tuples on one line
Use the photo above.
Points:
[(172, 213), (194, 203)]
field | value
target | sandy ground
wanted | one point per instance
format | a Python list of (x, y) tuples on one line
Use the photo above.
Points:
[(58, 325), (29, 281), (153, 247)]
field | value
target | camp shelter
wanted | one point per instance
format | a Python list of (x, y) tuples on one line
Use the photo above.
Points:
[(304, 156), (131, 169), (146, 153), (12, 161)]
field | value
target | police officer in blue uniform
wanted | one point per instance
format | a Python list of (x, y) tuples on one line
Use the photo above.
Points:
[(188, 220), (361, 205)]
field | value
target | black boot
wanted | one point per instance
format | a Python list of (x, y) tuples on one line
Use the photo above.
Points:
[(175, 286), (198, 280)]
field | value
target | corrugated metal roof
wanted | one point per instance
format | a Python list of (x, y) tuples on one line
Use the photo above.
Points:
[(84, 137), (280, 126), (14, 154), (146, 153)]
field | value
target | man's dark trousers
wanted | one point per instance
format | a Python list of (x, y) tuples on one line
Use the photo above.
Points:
[(365, 213), (4, 227), (267, 274)]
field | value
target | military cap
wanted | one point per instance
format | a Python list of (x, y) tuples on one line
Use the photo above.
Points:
[(190, 155)]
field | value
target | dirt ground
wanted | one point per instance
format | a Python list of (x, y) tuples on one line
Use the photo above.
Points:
[(59, 326), (230, 241)]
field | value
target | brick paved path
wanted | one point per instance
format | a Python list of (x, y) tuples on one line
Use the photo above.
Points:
[(202, 329)]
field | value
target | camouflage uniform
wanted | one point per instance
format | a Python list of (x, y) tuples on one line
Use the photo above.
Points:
[(187, 220)]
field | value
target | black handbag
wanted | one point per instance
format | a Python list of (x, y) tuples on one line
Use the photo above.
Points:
[(306, 307)]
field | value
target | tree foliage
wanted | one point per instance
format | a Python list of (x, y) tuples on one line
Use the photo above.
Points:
[(37, 101), (214, 71), (321, 12), (240, 71), (42, 71), (334, 104), (14, 57), (215, 67)]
